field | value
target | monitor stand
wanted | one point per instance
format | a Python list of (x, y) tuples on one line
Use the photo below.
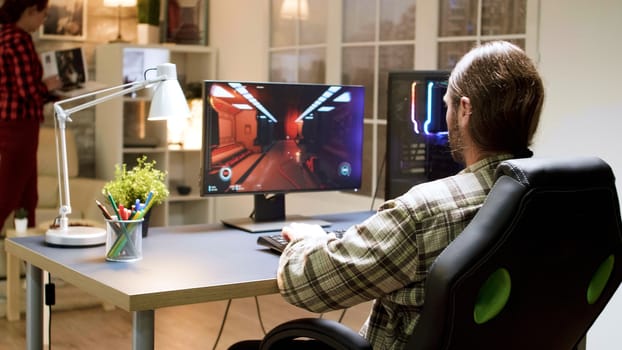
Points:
[(270, 216)]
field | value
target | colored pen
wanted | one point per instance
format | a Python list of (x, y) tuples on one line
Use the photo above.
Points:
[(149, 197), (147, 207), (122, 239), (103, 210), (114, 206), (118, 229)]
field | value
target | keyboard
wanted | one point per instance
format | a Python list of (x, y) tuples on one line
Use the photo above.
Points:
[(277, 243)]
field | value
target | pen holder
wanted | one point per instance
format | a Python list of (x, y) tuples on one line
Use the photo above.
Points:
[(124, 240)]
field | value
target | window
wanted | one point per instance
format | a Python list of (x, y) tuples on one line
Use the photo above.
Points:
[(465, 23), (298, 41), (360, 41), (377, 36)]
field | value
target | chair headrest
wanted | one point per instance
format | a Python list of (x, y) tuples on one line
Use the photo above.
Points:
[(546, 230), (566, 171)]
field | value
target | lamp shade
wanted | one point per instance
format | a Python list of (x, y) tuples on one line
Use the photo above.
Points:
[(168, 99)]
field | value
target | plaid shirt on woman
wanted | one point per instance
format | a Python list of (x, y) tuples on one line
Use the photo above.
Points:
[(22, 93), (386, 257)]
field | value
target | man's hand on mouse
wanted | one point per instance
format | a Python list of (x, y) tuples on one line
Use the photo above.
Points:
[(300, 230)]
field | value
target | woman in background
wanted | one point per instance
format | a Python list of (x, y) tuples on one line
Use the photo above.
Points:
[(23, 93)]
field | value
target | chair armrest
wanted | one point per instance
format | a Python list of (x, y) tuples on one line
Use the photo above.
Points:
[(329, 332)]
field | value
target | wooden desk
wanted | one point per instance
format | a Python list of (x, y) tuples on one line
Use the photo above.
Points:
[(180, 265)]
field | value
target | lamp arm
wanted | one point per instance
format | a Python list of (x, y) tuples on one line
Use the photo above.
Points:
[(126, 89), (62, 116)]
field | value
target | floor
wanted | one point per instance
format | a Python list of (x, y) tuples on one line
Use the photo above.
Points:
[(78, 321)]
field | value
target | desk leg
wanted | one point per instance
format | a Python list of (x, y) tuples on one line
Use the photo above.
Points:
[(34, 308), (143, 323), (13, 288)]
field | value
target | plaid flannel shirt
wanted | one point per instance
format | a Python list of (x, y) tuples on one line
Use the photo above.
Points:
[(386, 258), (22, 92)]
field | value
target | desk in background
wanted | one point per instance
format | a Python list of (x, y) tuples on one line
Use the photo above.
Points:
[(181, 265)]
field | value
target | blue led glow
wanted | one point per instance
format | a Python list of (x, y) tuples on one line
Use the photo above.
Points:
[(428, 119)]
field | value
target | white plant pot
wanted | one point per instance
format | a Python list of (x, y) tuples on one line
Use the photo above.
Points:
[(21, 225), (147, 33)]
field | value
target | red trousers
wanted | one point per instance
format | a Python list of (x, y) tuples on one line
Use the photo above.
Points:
[(19, 140)]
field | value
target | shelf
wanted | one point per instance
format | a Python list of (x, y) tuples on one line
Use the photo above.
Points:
[(181, 150), (123, 121), (141, 150), (137, 99), (174, 197)]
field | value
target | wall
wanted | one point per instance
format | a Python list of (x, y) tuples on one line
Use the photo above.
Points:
[(239, 29), (580, 50)]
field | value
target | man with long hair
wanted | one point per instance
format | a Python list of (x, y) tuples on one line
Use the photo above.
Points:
[(494, 99)]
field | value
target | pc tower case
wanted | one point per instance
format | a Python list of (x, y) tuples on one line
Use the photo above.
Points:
[(417, 146)]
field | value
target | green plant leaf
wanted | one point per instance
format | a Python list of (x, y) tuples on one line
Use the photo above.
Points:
[(21, 213), (136, 183), (148, 11)]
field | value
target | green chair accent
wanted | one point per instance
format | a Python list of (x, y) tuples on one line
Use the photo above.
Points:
[(600, 279), (492, 296)]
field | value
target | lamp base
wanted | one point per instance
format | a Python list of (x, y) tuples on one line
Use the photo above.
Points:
[(76, 236)]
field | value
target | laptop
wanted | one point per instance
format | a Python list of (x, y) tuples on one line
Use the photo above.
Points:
[(70, 66)]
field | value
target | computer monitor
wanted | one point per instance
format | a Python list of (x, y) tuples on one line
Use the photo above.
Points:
[(417, 145), (270, 139)]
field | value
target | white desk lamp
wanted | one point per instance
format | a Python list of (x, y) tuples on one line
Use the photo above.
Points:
[(168, 101)]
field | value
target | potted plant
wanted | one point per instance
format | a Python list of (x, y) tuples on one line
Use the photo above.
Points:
[(148, 17), (20, 219), (143, 183)]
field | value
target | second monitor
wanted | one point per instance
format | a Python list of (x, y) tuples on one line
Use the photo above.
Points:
[(270, 139)]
